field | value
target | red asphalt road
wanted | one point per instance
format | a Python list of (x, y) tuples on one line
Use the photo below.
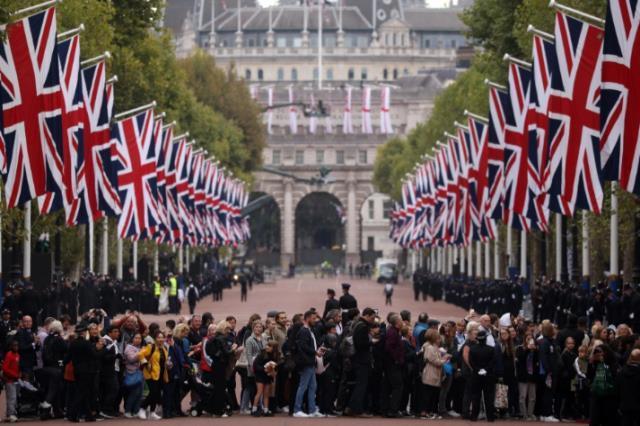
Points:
[(295, 295)]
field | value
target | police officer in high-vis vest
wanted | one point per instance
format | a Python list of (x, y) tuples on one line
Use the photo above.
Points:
[(157, 289), (173, 294)]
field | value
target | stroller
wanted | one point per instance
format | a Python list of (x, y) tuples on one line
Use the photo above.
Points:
[(203, 391), (29, 398)]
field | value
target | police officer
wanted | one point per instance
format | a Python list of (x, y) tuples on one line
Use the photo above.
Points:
[(173, 294), (347, 301), (157, 290)]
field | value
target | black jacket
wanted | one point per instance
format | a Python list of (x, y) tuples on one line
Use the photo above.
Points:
[(521, 365), (482, 357), (84, 356), (628, 384), (54, 350), (305, 349), (347, 302), (548, 356), (26, 348), (329, 305), (361, 343)]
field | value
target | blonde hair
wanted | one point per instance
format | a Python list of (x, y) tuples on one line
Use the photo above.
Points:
[(180, 331), (222, 326), (55, 327), (472, 325)]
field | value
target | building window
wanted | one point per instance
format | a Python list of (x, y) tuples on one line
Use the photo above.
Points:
[(251, 42), (281, 42), (426, 43), (362, 156), (387, 208), (319, 156), (280, 74), (395, 73), (339, 156), (385, 74), (260, 74), (330, 74), (454, 44), (315, 73), (351, 74), (294, 74), (275, 156), (247, 74), (371, 244), (363, 74), (372, 209), (299, 157)]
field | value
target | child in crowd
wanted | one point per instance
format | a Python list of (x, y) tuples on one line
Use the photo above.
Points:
[(11, 375)]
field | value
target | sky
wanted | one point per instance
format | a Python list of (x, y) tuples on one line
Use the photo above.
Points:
[(432, 3)]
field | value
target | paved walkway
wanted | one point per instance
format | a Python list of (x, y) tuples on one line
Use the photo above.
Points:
[(296, 295)]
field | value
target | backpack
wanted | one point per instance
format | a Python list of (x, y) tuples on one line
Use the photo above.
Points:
[(603, 383)]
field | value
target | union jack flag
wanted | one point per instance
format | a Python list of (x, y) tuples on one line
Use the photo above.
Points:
[(173, 164), (97, 179), (479, 179), (162, 135), (620, 114), (32, 103), (71, 117), (574, 117), (134, 157)]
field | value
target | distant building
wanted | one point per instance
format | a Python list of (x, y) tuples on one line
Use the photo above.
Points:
[(415, 49)]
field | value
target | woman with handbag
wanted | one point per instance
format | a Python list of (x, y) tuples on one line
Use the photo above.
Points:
[(507, 388), (132, 381), (155, 372), (432, 373)]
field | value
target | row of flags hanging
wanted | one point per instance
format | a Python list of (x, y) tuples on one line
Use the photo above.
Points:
[(366, 124), (60, 146), (566, 122)]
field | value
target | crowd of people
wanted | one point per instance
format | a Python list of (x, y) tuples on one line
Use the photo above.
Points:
[(339, 359)]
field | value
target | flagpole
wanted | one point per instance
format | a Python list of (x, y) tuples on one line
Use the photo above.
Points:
[(133, 111), (614, 269), (496, 258), (180, 264), (470, 261), (119, 258), (558, 250), (567, 9), (70, 33), (487, 259), (87, 62), (134, 259), (26, 242), (478, 259), (35, 7), (461, 260), (586, 266), (90, 244), (187, 260), (523, 254), (104, 267)]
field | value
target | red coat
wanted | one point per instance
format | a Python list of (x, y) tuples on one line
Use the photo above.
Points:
[(11, 367)]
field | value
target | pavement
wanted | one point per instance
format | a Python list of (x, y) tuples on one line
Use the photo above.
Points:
[(295, 295)]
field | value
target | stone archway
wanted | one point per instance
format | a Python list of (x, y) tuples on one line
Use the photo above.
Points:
[(319, 229), (264, 244)]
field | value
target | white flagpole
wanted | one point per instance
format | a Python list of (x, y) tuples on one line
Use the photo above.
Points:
[(496, 259), (180, 264), (586, 264), (478, 259), (26, 242), (461, 260), (614, 268), (470, 261), (118, 258), (523, 254), (487, 259), (134, 258), (104, 264), (91, 248), (558, 245), (187, 258)]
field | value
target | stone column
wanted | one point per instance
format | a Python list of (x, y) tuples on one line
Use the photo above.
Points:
[(353, 252), (287, 228)]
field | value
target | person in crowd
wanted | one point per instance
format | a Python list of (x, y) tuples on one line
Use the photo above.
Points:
[(54, 350), (84, 354), (628, 384), (564, 395), (154, 358), (133, 381), (548, 356), (527, 367), (508, 377), (482, 359), (110, 373), (192, 297), (305, 359), (10, 376), (601, 373), (331, 303), (434, 361), (347, 301), (394, 351), (265, 369)]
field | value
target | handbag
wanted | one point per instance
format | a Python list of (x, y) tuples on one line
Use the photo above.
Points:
[(132, 378), (502, 399)]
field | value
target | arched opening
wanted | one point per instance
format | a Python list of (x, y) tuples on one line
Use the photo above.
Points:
[(320, 219), (264, 244)]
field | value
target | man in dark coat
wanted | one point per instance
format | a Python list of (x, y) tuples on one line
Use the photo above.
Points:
[(482, 360), (361, 361), (305, 359), (393, 361), (331, 303), (347, 301), (628, 381), (85, 357), (27, 345)]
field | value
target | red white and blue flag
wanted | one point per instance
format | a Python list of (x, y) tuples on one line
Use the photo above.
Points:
[(32, 102), (620, 113)]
